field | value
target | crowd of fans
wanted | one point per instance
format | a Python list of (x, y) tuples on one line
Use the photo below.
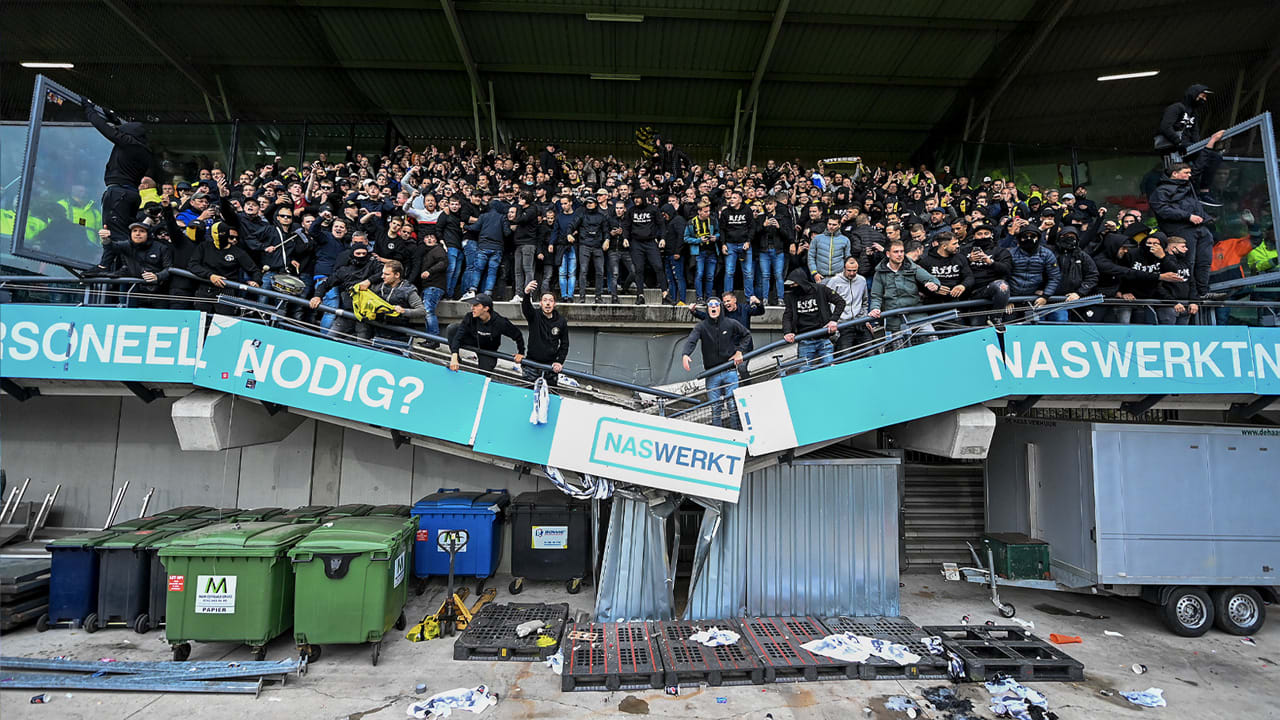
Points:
[(416, 227)]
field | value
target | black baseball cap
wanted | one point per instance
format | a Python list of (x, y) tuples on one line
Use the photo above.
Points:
[(483, 299)]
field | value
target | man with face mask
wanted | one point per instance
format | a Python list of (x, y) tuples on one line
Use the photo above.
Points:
[(354, 267), (723, 340), (1079, 275), (1180, 122), (1034, 267), (1183, 293), (217, 260)]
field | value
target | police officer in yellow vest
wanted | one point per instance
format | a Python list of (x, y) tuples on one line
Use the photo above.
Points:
[(83, 211)]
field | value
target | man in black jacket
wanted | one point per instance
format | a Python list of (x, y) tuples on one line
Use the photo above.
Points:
[(591, 233), (129, 161), (431, 264), (777, 230), (354, 267), (1177, 205), (991, 266), (483, 329), (1183, 293), (216, 260), (1079, 276), (810, 306), (1180, 123), (524, 231), (644, 228), (548, 335), (142, 256), (723, 340), (945, 262)]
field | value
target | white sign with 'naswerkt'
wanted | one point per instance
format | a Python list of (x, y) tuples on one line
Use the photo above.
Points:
[(216, 594)]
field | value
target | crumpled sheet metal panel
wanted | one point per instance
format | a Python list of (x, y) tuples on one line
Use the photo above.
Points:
[(633, 572), (818, 538)]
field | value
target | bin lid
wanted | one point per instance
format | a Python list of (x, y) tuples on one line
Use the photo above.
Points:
[(350, 510), (185, 524), (83, 540), (452, 499), (354, 535), (138, 539), (250, 539), (306, 513), (256, 514), (141, 523), (546, 498), (183, 512), (390, 511), (222, 514)]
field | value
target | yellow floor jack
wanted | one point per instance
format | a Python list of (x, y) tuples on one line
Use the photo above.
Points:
[(453, 613)]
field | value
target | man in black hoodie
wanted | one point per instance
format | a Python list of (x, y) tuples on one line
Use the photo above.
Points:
[(1177, 205), (548, 334), (1180, 123), (945, 262), (129, 161), (591, 232), (142, 256), (1079, 276), (217, 260), (482, 329), (991, 266), (645, 230), (1182, 293), (723, 340), (809, 306)]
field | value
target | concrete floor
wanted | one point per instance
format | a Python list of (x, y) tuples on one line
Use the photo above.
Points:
[(1216, 676)]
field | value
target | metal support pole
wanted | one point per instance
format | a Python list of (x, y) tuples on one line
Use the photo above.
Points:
[(1011, 173), (217, 133), (302, 145), (1075, 169), (475, 116), (982, 140), (968, 119), (493, 118), (1236, 97), (737, 122), (751, 139)]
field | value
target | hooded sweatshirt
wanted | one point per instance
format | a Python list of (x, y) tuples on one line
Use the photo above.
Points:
[(1035, 267), (1180, 123), (1113, 270), (548, 336), (808, 305), (950, 271), (130, 158), (720, 337)]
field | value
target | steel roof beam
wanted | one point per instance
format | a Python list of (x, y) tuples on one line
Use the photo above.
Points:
[(157, 42), (1042, 33), (451, 16)]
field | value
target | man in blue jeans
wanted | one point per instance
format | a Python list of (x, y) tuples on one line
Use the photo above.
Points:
[(701, 236), (492, 228), (777, 232), (723, 340), (810, 306), (738, 225)]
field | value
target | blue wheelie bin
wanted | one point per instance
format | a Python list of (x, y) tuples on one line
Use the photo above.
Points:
[(73, 580), (449, 510)]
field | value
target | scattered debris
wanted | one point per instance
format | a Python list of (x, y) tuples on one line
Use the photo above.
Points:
[(555, 662), (582, 635), (1151, 697), (420, 688), (41, 699), (858, 649), (1024, 623), (633, 706), (1057, 639), (715, 637), (1063, 612), (673, 690), (933, 644), (1111, 633), (524, 629), (1106, 693), (901, 703), (722, 700), (1011, 699), (1248, 641), (442, 704), (1138, 668), (964, 620), (944, 699)]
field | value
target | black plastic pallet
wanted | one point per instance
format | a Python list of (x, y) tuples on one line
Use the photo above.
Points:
[(689, 663), (990, 650), (776, 642), (622, 656), (894, 629), (491, 635)]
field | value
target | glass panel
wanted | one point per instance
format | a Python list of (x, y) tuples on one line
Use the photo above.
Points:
[(13, 146), (182, 150), (260, 144)]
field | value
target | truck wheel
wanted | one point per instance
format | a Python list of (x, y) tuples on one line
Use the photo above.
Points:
[(1238, 610), (1188, 612)]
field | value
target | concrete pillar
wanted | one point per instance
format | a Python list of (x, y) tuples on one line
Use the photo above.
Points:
[(208, 420)]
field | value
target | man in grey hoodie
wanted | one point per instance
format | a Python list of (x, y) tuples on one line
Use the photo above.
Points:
[(853, 288)]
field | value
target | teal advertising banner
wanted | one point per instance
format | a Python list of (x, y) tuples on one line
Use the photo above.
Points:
[(80, 343), (345, 381)]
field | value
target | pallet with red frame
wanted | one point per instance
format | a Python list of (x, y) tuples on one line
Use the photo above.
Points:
[(689, 663), (611, 656), (777, 640)]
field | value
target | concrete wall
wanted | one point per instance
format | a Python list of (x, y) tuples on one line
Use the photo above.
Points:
[(92, 445)]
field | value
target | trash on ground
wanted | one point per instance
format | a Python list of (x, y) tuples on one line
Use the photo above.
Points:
[(633, 705), (944, 699), (1151, 697), (1112, 633), (1024, 623), (420, 688), (555, 662), (715, 637), (1057, 639), (964, 620), (1248, 641), (1106, 693), (1138, 668), (1012, 699), (856, 648), (525, 629), (933, 644), (442, 704), (41, 699), (673, 690), (582, 635), (722, 700)]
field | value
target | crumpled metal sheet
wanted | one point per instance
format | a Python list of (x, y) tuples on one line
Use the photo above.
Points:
[(635, 583)]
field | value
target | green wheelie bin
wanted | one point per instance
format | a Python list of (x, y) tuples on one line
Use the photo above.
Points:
[(230, 582), (351, 576)]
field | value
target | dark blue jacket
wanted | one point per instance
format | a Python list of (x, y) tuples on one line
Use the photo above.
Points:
[(491, 227), (1032, 272)]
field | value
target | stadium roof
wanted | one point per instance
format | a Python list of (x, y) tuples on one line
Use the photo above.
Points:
[(831, 76)]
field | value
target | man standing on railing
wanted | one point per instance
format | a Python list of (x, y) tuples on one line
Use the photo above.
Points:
[(1180, 211), (548, 334), (723, 340), (1180, 123), (810, 306), (129, 161), (483, 329)]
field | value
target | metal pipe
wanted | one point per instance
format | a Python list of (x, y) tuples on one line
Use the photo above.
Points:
[(475, 116), (751, 137), (3, 513), (493, 119), (22, 491), (115, 505), (737, 121), (146, 501)]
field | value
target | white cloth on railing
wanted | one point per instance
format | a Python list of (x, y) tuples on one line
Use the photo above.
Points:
[(540, 402)]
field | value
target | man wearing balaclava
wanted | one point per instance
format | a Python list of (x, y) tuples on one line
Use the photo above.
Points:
[(1180, 124)]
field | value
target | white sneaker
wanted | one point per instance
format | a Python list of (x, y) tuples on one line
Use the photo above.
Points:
[(468, 294), (516, 299)]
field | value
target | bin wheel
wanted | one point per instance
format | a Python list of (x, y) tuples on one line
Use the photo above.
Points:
[(402, 622), (42, 623), (574, 586), (377, 650), (419, 586), (310, 652), (142, 624), (516, 586), (259, 653), (1188, 611), (181, 652), (1237, 610), (1007, 610), (480, 586), (91, 623)]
